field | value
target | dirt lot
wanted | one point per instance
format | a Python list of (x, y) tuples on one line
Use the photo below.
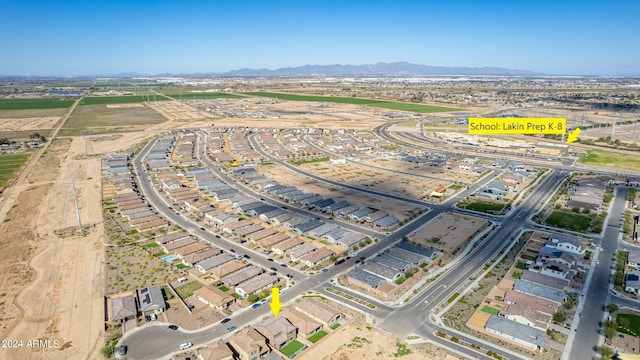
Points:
[(284, 176), (391, 183), (350, 342), (29, 123), (179, 112), (445, 175), (448, 232), (101, 119)]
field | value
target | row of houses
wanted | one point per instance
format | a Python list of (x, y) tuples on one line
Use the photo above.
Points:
[(304, 318), (159, 156), (388, 267), (335, 207)]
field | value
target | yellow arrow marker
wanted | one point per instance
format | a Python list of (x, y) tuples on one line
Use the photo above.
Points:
[(275, 303), (574, 135)]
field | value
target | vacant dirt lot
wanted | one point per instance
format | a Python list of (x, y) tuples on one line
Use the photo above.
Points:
[(445, 175), (449, 231), (29, 123), (349, 342), (101, 119), (387, 182)]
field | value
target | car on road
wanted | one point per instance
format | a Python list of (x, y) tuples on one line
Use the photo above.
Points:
[(256, 305), (170, 208), (185, 346), (325, 270), (203, 229), (284, 265), (173, 327), (261, 199), (284, 207), (263, 301), (597, 262), (274, 268), (581, 314), (231, 328), (347, 258), (339, 262), (218, 236), (273, 273), (270, 259), (225, 320), (353, 254), (246, 256), (232, 250)]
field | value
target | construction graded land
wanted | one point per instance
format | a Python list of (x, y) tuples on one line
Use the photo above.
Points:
[(412, 187), (449, 232), (52, 275)]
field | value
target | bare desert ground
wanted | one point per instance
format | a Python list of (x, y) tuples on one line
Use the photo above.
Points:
[(448, 232)]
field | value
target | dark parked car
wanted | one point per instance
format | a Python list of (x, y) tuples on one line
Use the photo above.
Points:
[(203, 229), (284, 265), (290, 276), (232, 250), (231, 328), (256, 305), (225, 320), (339, 262), (246, 256), (274, 268), (173, 327), (269, 259)]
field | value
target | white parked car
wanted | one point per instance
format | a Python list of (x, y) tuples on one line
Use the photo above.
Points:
[(185, 346)]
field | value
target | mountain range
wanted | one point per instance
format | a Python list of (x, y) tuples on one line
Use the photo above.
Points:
[(380, 69)]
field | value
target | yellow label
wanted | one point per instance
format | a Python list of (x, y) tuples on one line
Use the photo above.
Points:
[(517, 125)]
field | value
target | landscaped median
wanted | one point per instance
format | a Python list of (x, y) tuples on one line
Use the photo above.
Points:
[(351, 298)]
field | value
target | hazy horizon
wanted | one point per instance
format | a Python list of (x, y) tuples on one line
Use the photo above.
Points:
[(78, 38)]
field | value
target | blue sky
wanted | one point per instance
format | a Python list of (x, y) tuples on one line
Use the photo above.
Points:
[(108, 37)]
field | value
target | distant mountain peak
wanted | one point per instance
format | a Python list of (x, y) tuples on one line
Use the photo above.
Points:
[(400, 68)]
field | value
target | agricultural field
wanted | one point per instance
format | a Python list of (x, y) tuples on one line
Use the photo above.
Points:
[(100, 119), (41, 103), (611, 159), (127, 99), (203, 95), (10, 164), (357, 101)]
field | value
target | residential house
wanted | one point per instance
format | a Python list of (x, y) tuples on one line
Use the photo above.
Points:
[(297, 252), (350, 239), (316, 257), (281, 247), (214, 297), (256, 284), (385, 272), (306, 325), (248, 344), (212, 262), (527, 315), (219, 350), (196, 257), (632, 283), (408, 256), (364, 279), (526, 336), (151, 300), (392, 262), (242, 275), (123, 308), (540, 291), (567, 244), (318, 310), (278, 331)]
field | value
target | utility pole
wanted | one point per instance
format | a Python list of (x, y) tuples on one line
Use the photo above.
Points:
[(75, 199)]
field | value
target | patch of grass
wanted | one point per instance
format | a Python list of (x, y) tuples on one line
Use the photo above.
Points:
[(522, 266), (158, 254), (423, 265), (300, 162), (402, 350), (400, 280), (455, 187), (453, 297), (335, 326), (237, 296), (203, 95), (168, 294), (317, 336), (484, 207), (150, 245), (611, 159), (567, 220), (10, 164), (356, 101), (628, 324), (186, 290), (126, 99), (223, 288), (490, 310), (291, 348), (42, 103), (516, 275), (182, 266)]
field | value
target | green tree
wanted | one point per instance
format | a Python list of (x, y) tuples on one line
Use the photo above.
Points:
[(560, 317), (612, 308), (605, 352)]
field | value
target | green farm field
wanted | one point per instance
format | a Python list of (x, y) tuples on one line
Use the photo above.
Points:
[(131, 99), (203, 95), (611, 159), (356, 101), (10, 164), (42, 103)]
